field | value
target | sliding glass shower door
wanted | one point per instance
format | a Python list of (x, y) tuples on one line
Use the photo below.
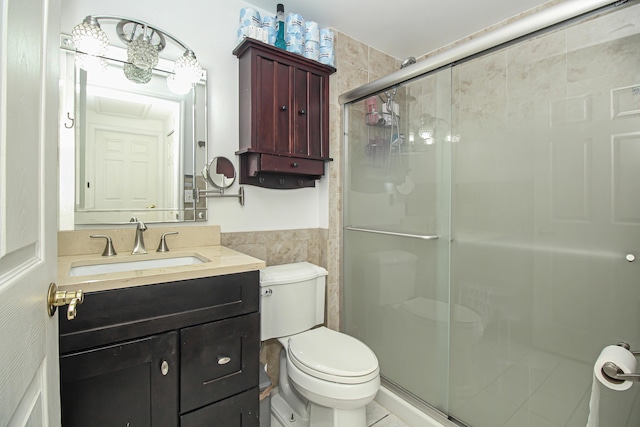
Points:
[(396, 254), (491, 244), (545, 209)]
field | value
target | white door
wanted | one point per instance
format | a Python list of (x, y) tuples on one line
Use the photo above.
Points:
[(29, 380), (126, 170)]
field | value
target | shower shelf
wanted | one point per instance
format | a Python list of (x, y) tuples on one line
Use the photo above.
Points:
[(393, 233)]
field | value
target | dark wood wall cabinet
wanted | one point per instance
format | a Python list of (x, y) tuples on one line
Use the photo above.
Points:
[(166, 355), (284, 117)]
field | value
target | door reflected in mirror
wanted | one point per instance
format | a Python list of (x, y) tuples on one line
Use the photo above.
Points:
[(133, 149)]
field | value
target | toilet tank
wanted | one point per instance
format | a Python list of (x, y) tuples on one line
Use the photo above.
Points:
[(291, 299)]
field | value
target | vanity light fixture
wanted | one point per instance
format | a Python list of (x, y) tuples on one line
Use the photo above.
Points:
[(143, 42)]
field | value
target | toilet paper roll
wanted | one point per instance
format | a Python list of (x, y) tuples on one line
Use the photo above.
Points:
[(326, 38), (250, 17), (623, 358), (311, 50), (295, 43), (294, 24), (269, 26), (311, 32), (326, 55), (269, 21)]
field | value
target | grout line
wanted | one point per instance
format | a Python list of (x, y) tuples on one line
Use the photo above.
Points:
[(380, 420)]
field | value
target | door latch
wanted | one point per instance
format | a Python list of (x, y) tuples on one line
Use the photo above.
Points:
[(58, 298)]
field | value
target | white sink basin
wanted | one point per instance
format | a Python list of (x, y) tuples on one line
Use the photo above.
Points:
[(115, 267)]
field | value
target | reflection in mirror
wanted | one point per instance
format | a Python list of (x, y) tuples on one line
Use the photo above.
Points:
[(134, 148), (220, 172)]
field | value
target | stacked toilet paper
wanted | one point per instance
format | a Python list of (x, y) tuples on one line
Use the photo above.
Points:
[(270, 26), (302, 37), (294, 33), (327, 55), (251, 25), (311, 40), (625, 361)]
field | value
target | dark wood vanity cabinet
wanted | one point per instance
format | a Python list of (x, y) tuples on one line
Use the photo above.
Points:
[(172, 354), (284, 117)]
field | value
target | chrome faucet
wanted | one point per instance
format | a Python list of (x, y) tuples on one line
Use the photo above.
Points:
[(138, 245)]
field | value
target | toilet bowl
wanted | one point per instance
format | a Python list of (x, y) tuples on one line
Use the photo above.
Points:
[(332, 369), (326, 377)]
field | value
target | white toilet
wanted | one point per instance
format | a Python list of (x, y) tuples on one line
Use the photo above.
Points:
[(326, 377)]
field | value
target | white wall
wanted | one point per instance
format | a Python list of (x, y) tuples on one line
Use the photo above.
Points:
[(210, 30)]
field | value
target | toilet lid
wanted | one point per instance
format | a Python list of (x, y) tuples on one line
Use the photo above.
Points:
[(333, 356)]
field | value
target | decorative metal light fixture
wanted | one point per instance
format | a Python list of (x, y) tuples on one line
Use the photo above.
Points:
[(143, 42)]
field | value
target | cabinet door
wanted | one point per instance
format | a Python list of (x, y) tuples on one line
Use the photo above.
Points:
[(217, 360), (273, 106), (122, 385), (241, 410)]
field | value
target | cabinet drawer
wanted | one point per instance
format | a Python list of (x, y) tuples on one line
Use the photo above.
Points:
[(241, 410), (285, 164), (218, 359), (128, 313)]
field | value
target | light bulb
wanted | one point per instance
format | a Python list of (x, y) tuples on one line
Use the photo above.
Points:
[(142, 53), (89, 38)]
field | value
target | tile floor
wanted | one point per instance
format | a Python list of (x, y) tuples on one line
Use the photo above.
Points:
[(377, 416), (540, 389), (531, 388)]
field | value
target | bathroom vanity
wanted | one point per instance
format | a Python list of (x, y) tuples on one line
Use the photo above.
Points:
[(147, 348)]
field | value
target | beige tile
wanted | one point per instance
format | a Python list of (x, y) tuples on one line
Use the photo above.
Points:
[(350, 52), (604, 29), (381, 64), (351, 77)]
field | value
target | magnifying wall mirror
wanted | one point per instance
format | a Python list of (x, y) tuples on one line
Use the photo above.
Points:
[(129, 149), (220, 173)]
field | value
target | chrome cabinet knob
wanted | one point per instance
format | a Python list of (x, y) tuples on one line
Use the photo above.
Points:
[(164, 367)]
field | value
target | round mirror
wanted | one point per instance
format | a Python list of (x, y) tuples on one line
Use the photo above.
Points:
[(220, 172)]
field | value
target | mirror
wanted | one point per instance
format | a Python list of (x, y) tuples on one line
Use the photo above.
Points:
[(220, 173), (129, 149)]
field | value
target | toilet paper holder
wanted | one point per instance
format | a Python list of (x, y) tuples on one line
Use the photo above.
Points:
[(614, 374)]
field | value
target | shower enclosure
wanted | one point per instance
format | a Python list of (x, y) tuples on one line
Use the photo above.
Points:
[(491, 225)]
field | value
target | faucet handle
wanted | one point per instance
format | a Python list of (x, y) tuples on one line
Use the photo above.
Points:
[(108, 249), (162, 247)]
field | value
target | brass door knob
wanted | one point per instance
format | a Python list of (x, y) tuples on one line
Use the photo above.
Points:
[(58, 298)]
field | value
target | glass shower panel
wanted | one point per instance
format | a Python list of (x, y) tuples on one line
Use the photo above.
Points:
[(545, 208), (396, 238)]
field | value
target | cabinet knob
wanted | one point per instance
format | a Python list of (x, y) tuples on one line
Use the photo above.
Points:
[(164, 367), (294, 165), (284, 108), (302, 112), (223, 360)]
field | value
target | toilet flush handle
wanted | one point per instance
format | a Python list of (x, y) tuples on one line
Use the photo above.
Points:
[(266, 293)]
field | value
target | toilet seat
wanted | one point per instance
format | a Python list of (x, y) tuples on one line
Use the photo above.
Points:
[(332, 356)]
